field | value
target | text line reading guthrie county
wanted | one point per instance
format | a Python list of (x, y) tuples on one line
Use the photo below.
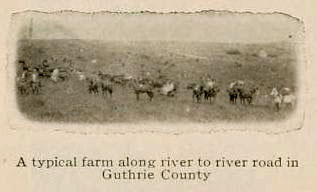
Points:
[(165, 174)]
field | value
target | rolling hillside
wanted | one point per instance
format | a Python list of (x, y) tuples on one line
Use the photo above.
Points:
[(184, 62)]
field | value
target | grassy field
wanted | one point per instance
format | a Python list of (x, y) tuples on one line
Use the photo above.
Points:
[(185, 62)]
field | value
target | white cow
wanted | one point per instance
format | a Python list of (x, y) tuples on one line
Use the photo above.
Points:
[(288, 99), (168, 88), (277, 98), (55, 75)]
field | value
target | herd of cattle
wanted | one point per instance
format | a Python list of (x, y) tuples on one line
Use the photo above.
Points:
[(29, 81)]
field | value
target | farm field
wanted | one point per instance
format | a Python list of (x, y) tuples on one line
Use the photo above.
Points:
[(184, 62)]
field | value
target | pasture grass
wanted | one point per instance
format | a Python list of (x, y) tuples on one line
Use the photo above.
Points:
[(69, 101)]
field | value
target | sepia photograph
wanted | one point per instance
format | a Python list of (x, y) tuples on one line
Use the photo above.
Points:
[(199, 67), (174, 95)]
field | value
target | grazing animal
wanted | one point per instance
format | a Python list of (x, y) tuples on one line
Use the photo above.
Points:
[(198, 91), (142, 87), (288, 99), (210, 89), (23, 83), (169, 88), (105, 82), (233, 95), (247, 95), (210, 94), (93, 85), (233, 90), (35, 82), (22, 86), (106, 87), (277, 98), (55, 75)]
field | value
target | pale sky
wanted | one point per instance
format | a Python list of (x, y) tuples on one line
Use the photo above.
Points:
[(210, 27)]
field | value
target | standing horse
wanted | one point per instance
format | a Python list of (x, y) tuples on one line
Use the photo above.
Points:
[(247, 95), (210, 94), (142, 87)]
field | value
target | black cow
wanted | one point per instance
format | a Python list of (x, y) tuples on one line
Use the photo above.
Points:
[(247, 95), (198, 91), (211, 93), (233, 95)]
